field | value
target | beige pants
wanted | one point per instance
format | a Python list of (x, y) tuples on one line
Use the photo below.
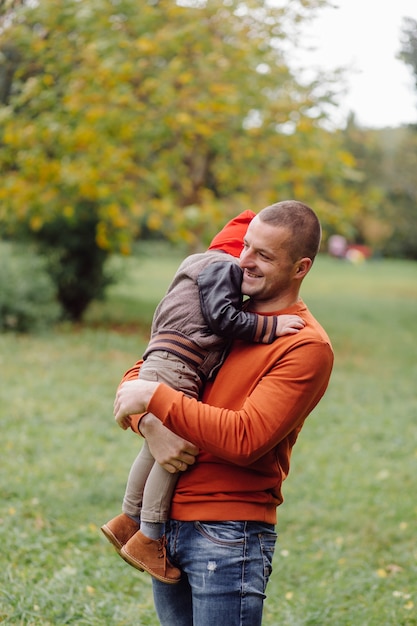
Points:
[(149, 487)]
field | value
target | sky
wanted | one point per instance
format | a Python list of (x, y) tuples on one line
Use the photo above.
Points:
[(366, 36)]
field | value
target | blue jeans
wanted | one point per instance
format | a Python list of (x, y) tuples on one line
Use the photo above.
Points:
[(226, 567)]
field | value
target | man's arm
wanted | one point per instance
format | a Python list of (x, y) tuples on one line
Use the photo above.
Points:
[(173, 453), (277, 404)]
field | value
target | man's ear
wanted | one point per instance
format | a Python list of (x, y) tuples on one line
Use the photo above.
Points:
[(303, 267)]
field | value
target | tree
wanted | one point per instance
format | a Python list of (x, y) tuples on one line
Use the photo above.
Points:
[(409, 44), (397, 167), (124, 115), (397, 176)]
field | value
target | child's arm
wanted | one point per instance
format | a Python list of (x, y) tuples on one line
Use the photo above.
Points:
[(221, 304)]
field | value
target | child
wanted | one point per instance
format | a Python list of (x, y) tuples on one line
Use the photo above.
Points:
[(191, 329)]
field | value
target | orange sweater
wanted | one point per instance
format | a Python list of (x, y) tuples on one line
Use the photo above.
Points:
[(263, 392)]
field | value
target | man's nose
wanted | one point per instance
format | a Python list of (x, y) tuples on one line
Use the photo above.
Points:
[(245, 257)]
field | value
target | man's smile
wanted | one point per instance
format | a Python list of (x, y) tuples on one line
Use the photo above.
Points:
[(250, 274)]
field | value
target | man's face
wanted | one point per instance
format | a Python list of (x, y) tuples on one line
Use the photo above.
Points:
[(268, 270)]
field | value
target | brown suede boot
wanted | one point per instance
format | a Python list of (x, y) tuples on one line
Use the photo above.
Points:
[(119, 530), (150, 555)]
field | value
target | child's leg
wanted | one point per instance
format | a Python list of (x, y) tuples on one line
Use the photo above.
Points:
[(157, 496), (124, 526), (145, 550), (163, 367), (138, 475)]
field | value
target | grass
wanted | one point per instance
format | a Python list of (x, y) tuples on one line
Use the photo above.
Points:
[(346, 555)]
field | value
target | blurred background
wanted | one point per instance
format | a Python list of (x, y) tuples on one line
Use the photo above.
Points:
[(122, 122)]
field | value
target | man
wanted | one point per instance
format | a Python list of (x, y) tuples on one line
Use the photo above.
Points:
[(221, 534)]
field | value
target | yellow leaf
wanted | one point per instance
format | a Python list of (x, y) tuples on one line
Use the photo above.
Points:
[(68, 211), (36, 223), (185, 77), (183, 118), (146, 45), (48, 80), (154, 221)]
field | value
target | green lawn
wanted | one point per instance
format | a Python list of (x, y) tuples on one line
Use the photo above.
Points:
[(347, 551)]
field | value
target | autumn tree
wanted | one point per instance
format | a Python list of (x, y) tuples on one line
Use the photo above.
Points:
[(397, 165), (385, 175), (125, 115)]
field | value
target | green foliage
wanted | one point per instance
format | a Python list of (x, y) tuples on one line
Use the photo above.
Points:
[(169, 118), (76, 265), (401, 212), (387, 160), (27, 295), (346, 552), (160, 115)]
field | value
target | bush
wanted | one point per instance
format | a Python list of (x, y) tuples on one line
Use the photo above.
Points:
[(27, 295), (75, 263)]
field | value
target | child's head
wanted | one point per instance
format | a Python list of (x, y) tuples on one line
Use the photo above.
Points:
[(230, 238)]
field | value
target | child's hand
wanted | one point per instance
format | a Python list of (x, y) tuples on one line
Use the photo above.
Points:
[(132, 397), (289, 325), (124, 421)]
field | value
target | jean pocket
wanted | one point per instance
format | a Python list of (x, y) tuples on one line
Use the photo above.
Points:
[(222, 533)]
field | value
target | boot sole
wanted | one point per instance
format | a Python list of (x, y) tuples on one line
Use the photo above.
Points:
[(112, 538), (143, 568)]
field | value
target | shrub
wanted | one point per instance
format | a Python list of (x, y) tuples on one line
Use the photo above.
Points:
[(75, 263), (27, 295)]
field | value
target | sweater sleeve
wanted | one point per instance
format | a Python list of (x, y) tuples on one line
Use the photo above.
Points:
[(221, 305), (274, 407)]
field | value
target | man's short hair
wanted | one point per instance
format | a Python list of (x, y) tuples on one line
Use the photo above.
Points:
[(302, 223)]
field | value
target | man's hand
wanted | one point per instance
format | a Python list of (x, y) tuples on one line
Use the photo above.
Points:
[(289, 325), (174, 453)]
